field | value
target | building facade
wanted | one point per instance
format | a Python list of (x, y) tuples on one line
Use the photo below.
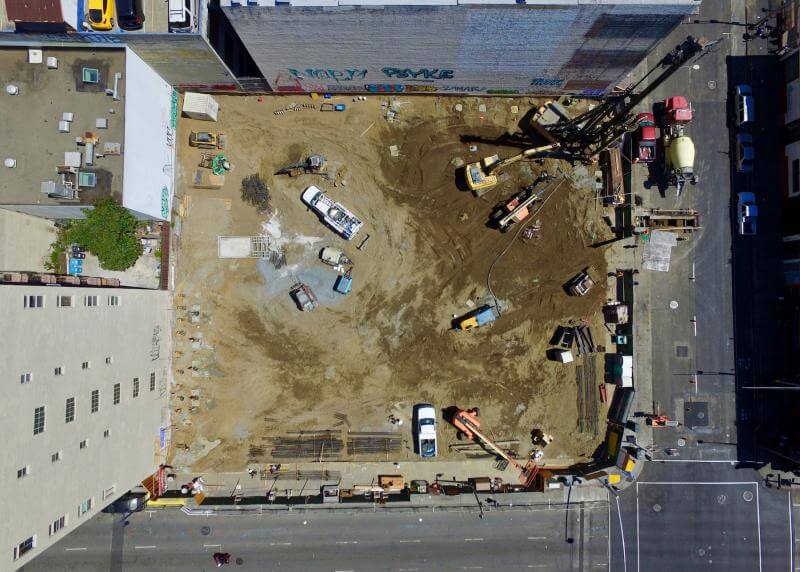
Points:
[(450, 46), (84, 377)]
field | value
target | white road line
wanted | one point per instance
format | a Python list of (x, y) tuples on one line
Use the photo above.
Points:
[(149, 546), (212, 545), (537, 565), (473, 567), (732, 462), (404, 541), (347, 542), (696, 483), (758, 514), (473, 540), (637, 526), (68, 549), (537, 538), (791, 535), (622, 531), (280, 543)]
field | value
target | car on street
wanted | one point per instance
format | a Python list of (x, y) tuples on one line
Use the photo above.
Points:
[(747, 214), (745, 153), (101, 14), (425, 428), (744, 104), (127, 504)]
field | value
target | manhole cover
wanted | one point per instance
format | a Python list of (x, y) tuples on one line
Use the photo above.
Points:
[(205, 531), (712, 84), (702, 551), (682, 351), (673, 304), (722, 498), (747, 496), (657, 507), (681, 442)]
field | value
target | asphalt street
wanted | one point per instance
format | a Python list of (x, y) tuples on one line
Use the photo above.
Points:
[(511, 539)]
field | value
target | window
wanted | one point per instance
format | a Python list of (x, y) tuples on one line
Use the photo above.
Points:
[(109, 360), (116, 394), (86, 365), (24, 471), (113, 300), (136, 387), (107, 433), (70, 415), (152, 381), (85, 507), (90, 301), (58, 524), (24, 547), (83, 444), (109, 492), (59, 370), (25, 378), (34, 301), (65, 301), (95, 400), (38, 420), (795, 178), (57, 456)]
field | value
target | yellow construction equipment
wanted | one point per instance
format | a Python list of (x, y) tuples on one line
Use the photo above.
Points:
[(482, 175)]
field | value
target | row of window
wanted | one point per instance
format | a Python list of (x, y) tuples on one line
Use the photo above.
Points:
[(59, 455), (58, 524), (91, 301), (69, 414), (27, 377)]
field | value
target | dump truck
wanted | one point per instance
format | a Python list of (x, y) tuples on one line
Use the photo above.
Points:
[(332, 213), (479, 317), (303, 297)]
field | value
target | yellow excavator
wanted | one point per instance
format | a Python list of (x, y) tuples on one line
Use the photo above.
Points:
[(482, 175)]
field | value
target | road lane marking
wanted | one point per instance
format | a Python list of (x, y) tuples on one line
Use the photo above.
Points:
[(758, 520), (68, 549), (473, 540), (347, 542), (280, 543), (473, 567), (211, 545), (404, 541), (144, 547), (537, 565), (537, 538)]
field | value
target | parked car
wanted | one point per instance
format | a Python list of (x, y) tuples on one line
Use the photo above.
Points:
[(744, 105), (747, 214), (129, 14), (101, 14), (128, 503), (425, 427), (745, 153)]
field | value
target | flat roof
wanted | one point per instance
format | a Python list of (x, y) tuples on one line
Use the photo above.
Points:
[(249, 4), (30, 121), (44, 11)]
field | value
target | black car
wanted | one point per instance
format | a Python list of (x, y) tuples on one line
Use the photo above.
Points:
[(129, 14)]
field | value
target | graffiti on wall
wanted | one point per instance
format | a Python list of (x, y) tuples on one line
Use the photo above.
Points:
[(385, 87), (336, 75), (429, 74), (547, 82), (461, 88)]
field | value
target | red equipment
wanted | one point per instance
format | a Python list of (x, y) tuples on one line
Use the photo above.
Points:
[(677, 111)]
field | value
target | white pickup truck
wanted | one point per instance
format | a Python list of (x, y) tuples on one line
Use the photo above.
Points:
[(333, 214)]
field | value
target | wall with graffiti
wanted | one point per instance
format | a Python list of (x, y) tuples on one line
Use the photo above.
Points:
[(479, 49)]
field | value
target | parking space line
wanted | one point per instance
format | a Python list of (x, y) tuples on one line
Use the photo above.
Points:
[(404, 541), (473, 540), (148, 547), (212, 545), (537, 538), (758, 515), (68, 549)]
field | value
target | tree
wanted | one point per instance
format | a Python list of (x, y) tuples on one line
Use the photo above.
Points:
[(108, 232)]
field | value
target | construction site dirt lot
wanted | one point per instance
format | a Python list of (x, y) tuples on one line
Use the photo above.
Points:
[(251, 369)]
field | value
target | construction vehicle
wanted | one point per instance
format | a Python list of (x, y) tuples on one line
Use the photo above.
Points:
[(659, 421), (645, 139), (674, 220), (613, 188), (581, 284), (466, 421), (476, 318), (334, 256), (332, 213), (207, 140), (482, 175), (218, 163), (344, 283), (303, 297), (675, 110), (678, 159), (315, 164), (515, 210)]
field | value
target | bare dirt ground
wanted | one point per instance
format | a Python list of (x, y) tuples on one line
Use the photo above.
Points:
[(264, 369)]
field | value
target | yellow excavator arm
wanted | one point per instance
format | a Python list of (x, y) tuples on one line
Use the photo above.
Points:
[(481, 177)]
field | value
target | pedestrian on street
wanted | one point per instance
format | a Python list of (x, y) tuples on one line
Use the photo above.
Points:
[(222, 558), (252, 472)]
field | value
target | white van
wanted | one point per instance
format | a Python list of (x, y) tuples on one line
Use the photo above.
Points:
[(744, 105), (181, 14)]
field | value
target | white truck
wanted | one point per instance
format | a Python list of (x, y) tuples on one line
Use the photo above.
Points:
[(333, 214)]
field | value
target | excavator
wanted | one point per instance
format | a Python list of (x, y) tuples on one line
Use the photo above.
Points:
[(482, 175), (466, 421), (581, 138)]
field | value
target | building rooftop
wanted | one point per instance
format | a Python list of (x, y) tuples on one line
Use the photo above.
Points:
[(35, 119), (43, 11)]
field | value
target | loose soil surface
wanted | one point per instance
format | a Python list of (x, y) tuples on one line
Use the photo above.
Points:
[(264, 369)]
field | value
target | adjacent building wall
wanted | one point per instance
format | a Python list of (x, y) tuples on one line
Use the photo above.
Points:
[(553, 47), (133, 337)]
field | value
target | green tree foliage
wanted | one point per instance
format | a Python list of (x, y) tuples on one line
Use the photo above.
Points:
[(108, 232)]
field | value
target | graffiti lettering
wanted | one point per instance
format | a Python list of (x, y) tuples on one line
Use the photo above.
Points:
[(419, 88), (547, 82), (502, 91), (328, 74), (593, 92), (421, 73), (155, 351), (461, 88), (384, 88), (341, 88)]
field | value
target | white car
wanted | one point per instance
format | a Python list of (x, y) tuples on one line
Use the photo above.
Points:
[(747, 214), (425, 427)]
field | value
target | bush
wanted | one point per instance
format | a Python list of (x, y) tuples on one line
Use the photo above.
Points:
[(108, 232), (256, 192)]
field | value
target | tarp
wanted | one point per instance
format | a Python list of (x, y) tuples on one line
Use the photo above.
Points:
[(658, 250)]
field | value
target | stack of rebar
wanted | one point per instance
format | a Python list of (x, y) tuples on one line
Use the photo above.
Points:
[(316, 445), (584, 340), (373, 443)]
